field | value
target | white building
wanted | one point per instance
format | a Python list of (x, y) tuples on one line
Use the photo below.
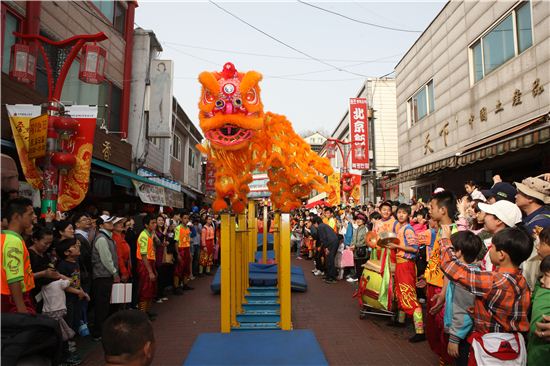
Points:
[(316, 141), (473, 96)]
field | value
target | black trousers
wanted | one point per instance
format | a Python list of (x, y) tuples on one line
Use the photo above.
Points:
[(195, 262), (331, 272), (319, 264), (101, 290), (358, 262)]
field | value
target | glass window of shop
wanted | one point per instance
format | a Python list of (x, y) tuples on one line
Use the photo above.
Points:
[(507, 39)]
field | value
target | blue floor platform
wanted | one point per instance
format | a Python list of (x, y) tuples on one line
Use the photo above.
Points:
[(275, 347), (266, 275)]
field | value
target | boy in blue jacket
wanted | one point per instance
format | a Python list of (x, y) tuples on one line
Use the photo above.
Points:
[(460, 302)]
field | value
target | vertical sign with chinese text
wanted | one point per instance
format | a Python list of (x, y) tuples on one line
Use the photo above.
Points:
[(38, 132), (210, 178), (359, 133)]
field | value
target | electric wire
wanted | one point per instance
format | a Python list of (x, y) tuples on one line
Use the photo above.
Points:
[(283, 43), (360, 21)]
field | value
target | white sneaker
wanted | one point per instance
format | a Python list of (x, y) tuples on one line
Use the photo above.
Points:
[(350, 280), (355, 279), (314, 270)]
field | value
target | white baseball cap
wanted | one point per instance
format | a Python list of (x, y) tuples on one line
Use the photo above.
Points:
[(506, 211), (107, 218), (118, 219)]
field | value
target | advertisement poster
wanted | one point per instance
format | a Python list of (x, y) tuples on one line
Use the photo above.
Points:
[(20, 116), (149, 193), (73, 187), (160, 99), (358, 118)]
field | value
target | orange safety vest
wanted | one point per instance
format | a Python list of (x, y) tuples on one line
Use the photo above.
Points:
[(145, 235), (184, 236), (13, 260)]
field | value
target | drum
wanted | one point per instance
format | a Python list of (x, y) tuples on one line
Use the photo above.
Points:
[(372, 291)]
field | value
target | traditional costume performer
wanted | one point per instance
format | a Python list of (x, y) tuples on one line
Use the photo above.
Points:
[(147, 286), (207, 251), (183, 269)]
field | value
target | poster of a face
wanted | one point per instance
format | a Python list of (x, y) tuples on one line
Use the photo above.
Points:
[(160, 100)]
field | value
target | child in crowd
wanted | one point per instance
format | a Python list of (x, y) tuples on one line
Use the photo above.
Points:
[(502, 297), (442, 211), (68, 252), (405, 272), (387, 222), (538, 349), (359, 247), (420, 221), (457, 320)]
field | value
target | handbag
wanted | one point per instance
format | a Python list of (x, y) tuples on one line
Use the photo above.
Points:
[(167, 258), (347, 258), (361, 252)]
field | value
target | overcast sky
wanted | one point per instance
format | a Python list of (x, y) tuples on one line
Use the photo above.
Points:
[(313, 94)]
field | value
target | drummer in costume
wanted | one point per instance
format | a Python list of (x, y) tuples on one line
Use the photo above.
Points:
[(146, 264), (405, 272), (183, 234)]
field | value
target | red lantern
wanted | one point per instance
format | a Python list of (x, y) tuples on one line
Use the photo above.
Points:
[(65, 126), (331, 151), (23, 63), (92, 64), (63, 161)]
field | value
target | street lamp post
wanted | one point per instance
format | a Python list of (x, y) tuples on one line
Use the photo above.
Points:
[(61, 128), (345, 176)]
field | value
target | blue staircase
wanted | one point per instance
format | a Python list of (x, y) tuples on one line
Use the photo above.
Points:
[(261, 310)]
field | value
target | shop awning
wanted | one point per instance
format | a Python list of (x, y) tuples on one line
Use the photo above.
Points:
[(122, 177), (189, 192), (513, 139)]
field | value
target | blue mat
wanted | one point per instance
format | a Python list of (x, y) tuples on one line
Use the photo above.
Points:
[(274, 347), (266, 275), (259, 254)]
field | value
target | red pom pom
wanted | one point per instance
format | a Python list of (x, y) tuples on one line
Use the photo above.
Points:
[(238, 207), (219, 204)]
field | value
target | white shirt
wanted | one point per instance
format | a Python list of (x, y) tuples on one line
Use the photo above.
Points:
[(54, 296)]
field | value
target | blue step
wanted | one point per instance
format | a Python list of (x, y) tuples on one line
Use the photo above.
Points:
[(271, 291), (261, 306), (263, 288), (259, 316), (257, 326), (255, 299), (255, 293)]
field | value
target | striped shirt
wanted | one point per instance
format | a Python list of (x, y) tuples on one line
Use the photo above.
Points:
[(502, 296)]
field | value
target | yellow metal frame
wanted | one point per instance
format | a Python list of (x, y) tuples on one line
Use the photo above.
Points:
[(238, 248)]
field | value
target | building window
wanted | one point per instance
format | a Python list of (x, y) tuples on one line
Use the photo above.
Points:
[(421, 104), (508, 38), (155, 141), (176, 147), (191, 158), (10, 24), (114, 12)]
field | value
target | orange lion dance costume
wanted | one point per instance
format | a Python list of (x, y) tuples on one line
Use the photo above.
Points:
[(242, 138)]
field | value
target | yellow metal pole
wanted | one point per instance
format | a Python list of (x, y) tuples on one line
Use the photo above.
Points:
[(233, 259), (284, 269), (277, 242), (252, 232), (240, 249), (225, 275), (264, 237)]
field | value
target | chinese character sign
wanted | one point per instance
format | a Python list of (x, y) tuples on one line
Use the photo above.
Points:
[(210, 177), (359, 133)]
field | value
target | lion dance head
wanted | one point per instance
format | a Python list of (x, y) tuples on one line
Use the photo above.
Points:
[(231, 110)]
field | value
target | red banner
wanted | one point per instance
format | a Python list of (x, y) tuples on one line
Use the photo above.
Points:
[(74, 186), (210, 177), (359, 133)]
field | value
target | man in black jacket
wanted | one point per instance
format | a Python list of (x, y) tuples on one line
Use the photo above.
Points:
[(329, 244)]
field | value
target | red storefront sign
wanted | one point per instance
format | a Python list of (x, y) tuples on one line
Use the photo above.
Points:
[(359, 133), (210, 177)]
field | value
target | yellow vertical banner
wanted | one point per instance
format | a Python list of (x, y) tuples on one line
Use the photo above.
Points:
[(20, 116), (38, 133), (334, 183)]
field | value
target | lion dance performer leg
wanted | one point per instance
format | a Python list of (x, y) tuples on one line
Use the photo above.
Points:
[(183, 270)]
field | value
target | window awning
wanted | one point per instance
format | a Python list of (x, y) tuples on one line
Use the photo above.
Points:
[(122, 177), (189, 192)]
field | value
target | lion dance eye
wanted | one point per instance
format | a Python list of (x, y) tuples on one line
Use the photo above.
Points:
[(220, 104), (237, 102), (251, 97), (208, 98)]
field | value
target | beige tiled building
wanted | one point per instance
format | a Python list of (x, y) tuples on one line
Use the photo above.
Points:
[(473, 96)]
